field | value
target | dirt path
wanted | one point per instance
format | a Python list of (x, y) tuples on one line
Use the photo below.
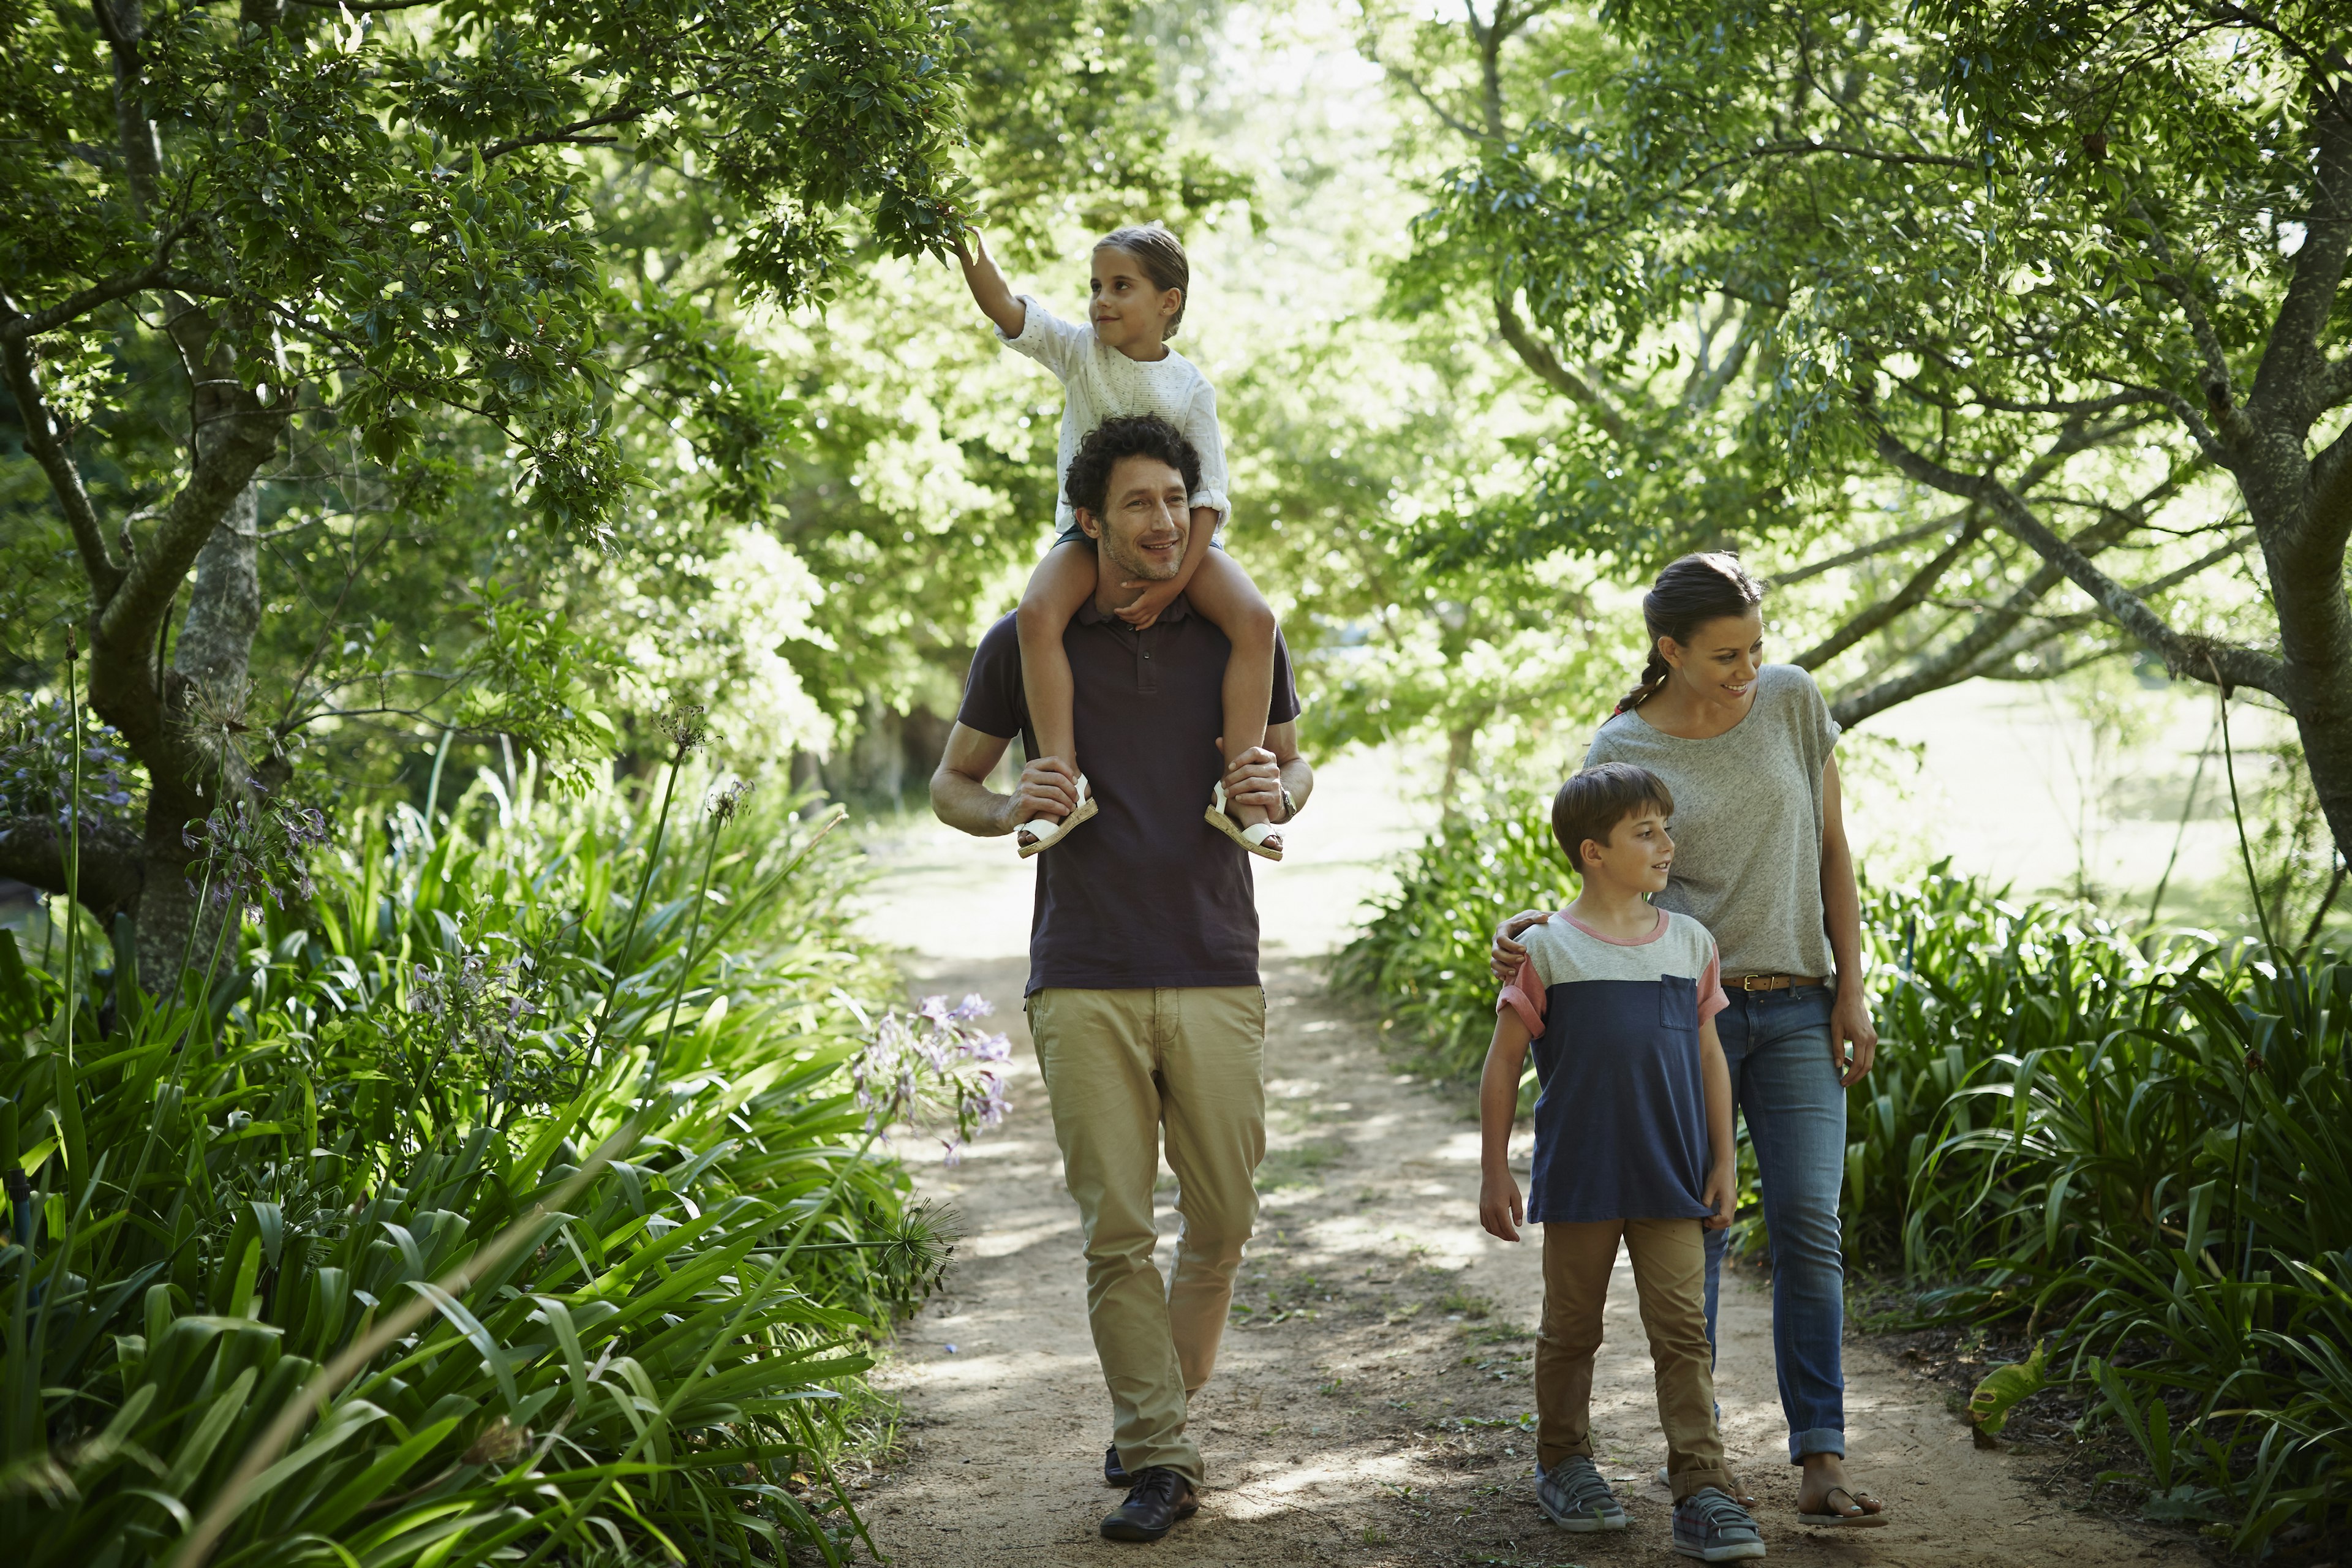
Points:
[(1373, 1404)]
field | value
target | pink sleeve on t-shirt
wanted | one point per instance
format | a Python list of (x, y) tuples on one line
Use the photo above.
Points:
[(1524, 995), (1711, 999)]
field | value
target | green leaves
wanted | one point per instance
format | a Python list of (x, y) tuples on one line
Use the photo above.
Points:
[(411, 1063), (2001, 1390), (1802, 278)]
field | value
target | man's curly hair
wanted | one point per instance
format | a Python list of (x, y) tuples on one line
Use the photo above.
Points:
[(1130, 436)]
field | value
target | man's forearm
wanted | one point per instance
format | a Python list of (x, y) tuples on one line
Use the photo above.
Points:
[(1299, 780), (965, 803)]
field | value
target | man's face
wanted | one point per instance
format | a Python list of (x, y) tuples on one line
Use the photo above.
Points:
[(1146, 522)]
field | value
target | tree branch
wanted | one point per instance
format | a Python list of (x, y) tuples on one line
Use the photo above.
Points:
[(1539, 359), (1905, 599), (222, 469), (113, 859), (157, 274), (2293, 367), (1952, 664), (2182, 655), (571, 132), (2329, 517), (2221, 393), (123, 27), (42, 440), (1911, 535), (2208, 442)]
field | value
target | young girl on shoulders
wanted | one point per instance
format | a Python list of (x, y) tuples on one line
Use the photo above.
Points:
[(1121, 364)]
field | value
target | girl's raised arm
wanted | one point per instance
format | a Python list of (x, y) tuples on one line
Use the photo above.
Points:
[(989, 291)]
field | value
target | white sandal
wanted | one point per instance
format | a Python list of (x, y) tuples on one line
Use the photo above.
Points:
[(1252, 839), (1044, 832)]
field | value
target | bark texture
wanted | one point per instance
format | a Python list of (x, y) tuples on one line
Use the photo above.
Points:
[(208, 680)]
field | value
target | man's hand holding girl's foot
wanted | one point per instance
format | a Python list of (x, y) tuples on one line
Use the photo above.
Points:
[(1048, 791), (1250, 796)]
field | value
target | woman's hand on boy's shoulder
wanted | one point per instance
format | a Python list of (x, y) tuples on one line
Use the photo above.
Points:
[(1506, 954), (1500, 1210)]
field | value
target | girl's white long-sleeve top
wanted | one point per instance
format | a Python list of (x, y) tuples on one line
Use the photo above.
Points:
[(1099, 382)]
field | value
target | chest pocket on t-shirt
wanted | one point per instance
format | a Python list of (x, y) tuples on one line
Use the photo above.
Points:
[(1678, 1002)]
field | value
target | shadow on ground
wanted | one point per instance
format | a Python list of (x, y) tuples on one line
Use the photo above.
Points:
[(1373, 1403)]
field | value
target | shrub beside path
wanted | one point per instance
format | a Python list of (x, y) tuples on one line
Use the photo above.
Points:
[(1373, 1401)]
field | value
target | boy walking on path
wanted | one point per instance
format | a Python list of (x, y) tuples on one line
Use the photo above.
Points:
[(1633, 1143), (1144, 998)]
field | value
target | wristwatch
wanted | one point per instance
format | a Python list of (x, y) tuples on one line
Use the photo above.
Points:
[(1289, 804)]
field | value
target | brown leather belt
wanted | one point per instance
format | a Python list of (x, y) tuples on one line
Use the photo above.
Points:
[(1769, 982)]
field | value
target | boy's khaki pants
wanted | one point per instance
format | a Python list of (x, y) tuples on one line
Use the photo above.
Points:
[(1670, 1275), (1120, 1067)]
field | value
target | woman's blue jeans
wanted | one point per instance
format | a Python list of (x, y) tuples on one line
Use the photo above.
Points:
[(1776, 1043)]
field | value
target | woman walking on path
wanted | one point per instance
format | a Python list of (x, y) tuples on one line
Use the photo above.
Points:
[(1762, 862)]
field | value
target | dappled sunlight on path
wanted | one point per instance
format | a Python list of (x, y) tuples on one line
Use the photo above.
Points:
[(1371, 1404)]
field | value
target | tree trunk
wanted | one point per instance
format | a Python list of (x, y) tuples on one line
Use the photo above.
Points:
[(1461, 742), (208, 688)]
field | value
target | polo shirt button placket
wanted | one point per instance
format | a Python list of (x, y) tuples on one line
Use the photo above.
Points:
[(1143, 680)]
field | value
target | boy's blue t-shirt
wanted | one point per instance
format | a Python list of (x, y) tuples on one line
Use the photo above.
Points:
[(1620, 1123)]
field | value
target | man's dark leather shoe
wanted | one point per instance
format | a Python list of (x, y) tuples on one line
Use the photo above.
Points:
[(1159, 1499), (1114, 1472)]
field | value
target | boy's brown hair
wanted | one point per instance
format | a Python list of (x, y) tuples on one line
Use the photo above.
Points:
[(1591, 803)]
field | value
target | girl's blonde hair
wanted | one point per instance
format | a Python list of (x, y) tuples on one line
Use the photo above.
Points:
[(1162, 256)]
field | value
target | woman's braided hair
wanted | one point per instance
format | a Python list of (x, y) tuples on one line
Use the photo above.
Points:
[(1162, 256), (1687, 594)]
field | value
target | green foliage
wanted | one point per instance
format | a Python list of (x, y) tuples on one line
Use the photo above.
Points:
[(1423, 957), (2142, 1147), (1928, 309), (2000, 1391), (398, 1066), (1068, 119)]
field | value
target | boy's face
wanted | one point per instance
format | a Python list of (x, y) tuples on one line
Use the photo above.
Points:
[(1637, 855), (1128, 313)]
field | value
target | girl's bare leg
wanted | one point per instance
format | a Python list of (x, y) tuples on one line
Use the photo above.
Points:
[(1057, 590), (1222, 591)]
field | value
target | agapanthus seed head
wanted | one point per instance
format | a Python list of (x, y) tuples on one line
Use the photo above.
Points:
[(726, 799), (684, 727)]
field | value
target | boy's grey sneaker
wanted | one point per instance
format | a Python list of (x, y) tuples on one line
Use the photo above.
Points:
[(1575, 1497), (1712, 1527)]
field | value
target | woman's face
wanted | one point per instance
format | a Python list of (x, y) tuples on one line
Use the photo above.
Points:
[(1717, 666)]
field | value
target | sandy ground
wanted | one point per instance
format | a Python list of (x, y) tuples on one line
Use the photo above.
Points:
[(1373, 1403)]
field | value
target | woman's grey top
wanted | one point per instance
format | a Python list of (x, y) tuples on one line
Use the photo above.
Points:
[(1746, 824)]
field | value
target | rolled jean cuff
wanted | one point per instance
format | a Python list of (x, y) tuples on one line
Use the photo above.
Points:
[(1820, 1440)]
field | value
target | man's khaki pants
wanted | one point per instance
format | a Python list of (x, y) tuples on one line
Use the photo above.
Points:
[(1670, 1276), (1120, 1067)]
